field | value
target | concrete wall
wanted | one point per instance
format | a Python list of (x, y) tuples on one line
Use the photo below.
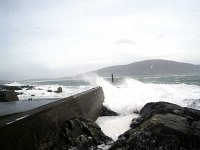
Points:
[(41, 123)]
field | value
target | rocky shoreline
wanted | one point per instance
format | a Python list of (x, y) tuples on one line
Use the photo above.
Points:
[(11, 93), (161, 126)]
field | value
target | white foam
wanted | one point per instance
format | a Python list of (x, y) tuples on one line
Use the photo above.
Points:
[(103, 146), (131, 94), (14, 84), (115, 125), (40, 91)]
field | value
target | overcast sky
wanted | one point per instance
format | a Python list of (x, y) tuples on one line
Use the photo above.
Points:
[(58, 38)]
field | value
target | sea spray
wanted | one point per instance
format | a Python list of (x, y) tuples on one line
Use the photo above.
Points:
[(124, 96), (130, 95)]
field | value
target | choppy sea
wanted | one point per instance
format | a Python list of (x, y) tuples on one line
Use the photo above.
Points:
[(124, 96)]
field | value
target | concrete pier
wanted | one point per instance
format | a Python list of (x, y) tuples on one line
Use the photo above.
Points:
[(28, 130)]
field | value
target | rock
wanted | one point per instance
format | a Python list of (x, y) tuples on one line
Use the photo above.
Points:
[(5, 87), (49, 90), (59, 90), (107, 112), (162, 126), (28, 87), (20, 93), (77, 134), (156, 108), (136, 111), (16, 88), (7, 96)]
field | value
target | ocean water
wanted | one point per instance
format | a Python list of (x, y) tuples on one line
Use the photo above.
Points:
[(125, 96), (41, 88)]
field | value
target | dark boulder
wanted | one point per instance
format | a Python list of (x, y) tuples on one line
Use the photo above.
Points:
[(16, 88), (5, 87), (151, 109), (59, 90), (163, 126), (107, 112), (7, 96), (77, 133), (49, 91)]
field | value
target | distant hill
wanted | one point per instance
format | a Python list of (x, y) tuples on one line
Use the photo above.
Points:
[(150, 67)]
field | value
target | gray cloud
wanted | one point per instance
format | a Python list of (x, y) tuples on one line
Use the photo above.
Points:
[(56, 38)]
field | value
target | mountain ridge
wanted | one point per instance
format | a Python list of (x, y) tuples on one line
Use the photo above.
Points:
[(149, 67)]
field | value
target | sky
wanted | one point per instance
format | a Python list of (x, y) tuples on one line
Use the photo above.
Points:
[(59, 38)]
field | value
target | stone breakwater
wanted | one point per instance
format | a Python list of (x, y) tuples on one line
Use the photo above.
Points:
[(69, 124), (31, 129)]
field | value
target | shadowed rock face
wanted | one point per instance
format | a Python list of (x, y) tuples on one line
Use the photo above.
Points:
[(7, 96), (78, 134), (107, 112), (163, 126)]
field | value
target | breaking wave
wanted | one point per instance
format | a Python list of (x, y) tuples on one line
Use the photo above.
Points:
[(130, 95)]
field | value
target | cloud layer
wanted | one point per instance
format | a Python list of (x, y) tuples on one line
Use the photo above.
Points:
[(56, 38)]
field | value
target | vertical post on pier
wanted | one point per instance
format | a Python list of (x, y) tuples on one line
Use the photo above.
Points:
[(112, 78)]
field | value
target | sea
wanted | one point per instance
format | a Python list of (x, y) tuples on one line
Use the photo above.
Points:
[(126, 96)]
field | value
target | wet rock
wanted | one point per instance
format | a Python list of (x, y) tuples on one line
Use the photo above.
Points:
[(7, 96), (163, 126), (49, 91), (59, 90), (107, 112), (28, 87), (78, 134), (136, 111), (20, 93), (16, 88), (156, 108)]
